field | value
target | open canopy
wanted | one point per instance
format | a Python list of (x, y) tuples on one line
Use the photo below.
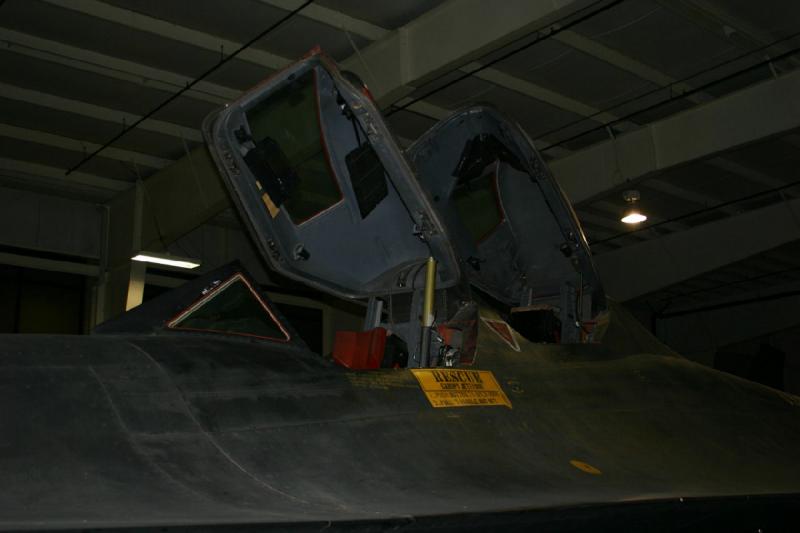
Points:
[(325, 192), (507, 217)]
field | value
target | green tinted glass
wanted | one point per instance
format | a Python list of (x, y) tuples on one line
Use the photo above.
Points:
[(290, 119), (232, 309), (477, 205)]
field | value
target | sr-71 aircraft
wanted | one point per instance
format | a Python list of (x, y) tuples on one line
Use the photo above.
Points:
[(493, 386)]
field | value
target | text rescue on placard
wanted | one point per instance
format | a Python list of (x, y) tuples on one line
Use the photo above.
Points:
[(460, 388)]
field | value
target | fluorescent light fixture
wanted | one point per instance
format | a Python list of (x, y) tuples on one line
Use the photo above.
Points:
[(633, 217), (166, 259)]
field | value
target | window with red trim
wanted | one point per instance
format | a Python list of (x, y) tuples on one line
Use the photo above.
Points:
[(232, 307), (289, 121)]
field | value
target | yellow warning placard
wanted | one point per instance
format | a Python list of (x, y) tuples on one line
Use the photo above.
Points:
[(450, 387)]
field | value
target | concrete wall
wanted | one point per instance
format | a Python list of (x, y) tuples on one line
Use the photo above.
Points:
[(50, 223)]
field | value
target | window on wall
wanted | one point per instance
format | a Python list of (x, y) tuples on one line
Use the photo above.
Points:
[(290, 149), (233, 307)]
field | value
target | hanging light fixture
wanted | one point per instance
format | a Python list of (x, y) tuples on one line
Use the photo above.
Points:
[(632, 213)]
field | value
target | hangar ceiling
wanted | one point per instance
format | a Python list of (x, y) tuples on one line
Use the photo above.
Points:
[(584, 78)]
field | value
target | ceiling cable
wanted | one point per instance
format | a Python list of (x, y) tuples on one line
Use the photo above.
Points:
[(671, 99), (543, 34), (188, 86), (669, 86)]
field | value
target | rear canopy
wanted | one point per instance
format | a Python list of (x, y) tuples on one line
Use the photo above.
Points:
[(509, 221)]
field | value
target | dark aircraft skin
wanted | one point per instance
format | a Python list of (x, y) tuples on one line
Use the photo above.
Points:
[(177, 416), (142, 426)]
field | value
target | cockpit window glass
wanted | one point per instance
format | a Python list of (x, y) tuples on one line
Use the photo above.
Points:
[(478, 205), (290, 149), (232, 307)]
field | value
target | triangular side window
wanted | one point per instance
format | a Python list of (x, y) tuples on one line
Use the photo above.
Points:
[(233, 307)]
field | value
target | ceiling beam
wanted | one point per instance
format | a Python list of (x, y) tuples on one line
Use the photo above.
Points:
[(623, 62), (28, 169), (440, 113), (542, 94), (419, 51), (750, 174), (361, 62), (656, 264), (368, 62), (332, 18), (51, 265), (736, 119), (122, 117), (715, 18), (690, 196), (97, 112), (130, 71), (66, 143), (373, 32), (162, 28), (113, 67), (136, 73)]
